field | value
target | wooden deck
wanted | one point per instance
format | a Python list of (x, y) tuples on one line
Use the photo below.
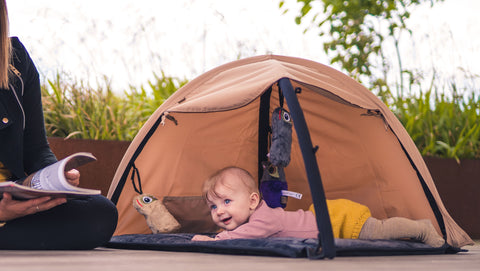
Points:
[(132, 260)]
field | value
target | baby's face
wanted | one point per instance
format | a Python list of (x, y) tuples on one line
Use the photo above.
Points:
[(231, 208)]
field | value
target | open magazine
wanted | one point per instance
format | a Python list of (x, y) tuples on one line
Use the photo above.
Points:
[(51, 180)]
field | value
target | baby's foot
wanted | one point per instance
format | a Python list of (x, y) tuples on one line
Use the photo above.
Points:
[(430, 236)]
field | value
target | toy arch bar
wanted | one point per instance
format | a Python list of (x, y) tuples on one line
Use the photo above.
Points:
[(326, 243)]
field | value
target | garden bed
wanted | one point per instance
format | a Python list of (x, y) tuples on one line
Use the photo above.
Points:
[(99, 174), (459, 188)]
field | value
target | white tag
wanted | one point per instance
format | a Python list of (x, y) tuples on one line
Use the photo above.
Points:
[(292, 194)]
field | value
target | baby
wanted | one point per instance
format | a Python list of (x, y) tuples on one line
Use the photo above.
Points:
[(235, 205)]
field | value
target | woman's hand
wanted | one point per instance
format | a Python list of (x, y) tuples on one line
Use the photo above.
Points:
[(73, 177), (11, 209)]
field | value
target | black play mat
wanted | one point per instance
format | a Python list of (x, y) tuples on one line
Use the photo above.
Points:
[(283, 247)]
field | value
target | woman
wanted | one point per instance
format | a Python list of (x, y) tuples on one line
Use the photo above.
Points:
[(42, 223)]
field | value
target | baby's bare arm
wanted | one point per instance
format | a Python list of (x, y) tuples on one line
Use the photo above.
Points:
[(199, 237)]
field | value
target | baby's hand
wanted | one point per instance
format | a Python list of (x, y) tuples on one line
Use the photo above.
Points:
[(202, 238)]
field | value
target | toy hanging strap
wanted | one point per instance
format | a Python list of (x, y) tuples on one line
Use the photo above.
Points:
[(263, 130), (280, 97), (135, 172)]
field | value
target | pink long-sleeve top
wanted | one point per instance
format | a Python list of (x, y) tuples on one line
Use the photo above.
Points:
[(274, 222)]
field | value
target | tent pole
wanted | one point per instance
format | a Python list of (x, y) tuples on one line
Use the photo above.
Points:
[(326, 243)]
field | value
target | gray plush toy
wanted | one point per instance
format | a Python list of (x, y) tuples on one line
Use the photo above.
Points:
[(281, 138)]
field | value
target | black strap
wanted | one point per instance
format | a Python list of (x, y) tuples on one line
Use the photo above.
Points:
[(135, 172), (263, 130), (326, 244), (428, 193), (280, 97), (123, 179)]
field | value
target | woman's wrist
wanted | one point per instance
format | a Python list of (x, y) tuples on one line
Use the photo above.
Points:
[(3, 221)]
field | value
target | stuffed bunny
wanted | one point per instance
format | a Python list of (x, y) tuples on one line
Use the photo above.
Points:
[(158, 218)]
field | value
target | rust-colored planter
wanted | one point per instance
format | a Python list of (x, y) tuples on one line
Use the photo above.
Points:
[(98, 174), (459, 188)]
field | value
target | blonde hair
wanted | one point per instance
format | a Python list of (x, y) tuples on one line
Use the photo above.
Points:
[(221, 177), (5, 46)]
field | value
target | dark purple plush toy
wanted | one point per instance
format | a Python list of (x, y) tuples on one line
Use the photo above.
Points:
[(272, 184), (273, 180)]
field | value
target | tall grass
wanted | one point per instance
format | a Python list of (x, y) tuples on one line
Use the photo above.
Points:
[(147, 99), (443, 122), (75, 110)]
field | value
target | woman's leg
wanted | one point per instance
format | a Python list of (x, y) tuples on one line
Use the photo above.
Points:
[(401, 228), (83, 223)]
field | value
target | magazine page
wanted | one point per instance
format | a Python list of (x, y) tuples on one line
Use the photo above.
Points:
[(51, 180), (24, 192), (53, 177)]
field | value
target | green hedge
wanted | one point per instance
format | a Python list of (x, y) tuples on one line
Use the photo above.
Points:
[(74, 110), (441, 125)]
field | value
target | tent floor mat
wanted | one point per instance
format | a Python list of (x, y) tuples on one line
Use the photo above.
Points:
[(282, 247)]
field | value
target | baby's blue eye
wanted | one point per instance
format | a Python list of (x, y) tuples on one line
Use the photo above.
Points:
[(227, 201), (213, 207)]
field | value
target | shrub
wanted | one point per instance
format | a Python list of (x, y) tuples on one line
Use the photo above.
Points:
[(440, 125), (75, 110), (442, 122)]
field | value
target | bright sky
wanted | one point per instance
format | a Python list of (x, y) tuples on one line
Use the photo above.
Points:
[(128, 40)]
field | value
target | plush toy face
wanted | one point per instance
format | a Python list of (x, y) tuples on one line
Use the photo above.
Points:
[(271, 170), (146, 199), (284, 116), (272, 184), (143, 203)]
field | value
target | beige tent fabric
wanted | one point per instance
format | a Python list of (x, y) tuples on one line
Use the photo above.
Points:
[(359, 154)]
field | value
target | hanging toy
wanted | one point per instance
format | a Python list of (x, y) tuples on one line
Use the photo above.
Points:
[(158, 218), (273, 182), (281, 138)]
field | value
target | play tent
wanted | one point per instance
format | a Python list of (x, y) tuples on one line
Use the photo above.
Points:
[(346, 143)]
